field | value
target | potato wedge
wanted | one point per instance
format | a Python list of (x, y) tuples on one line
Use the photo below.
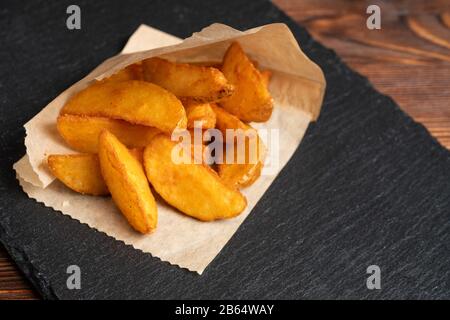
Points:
[(251, 101), (126, 181), (132, 72), (79, 172), (239, 175), (201, 153), (225, 120), (137, 102), (266, 75), (187, 81), (198, 147), (194, 189), (138, 154), (212, 64), (199, 112), (81, 133)]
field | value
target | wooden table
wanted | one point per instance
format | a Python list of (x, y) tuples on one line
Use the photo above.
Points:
[(408, 59), (13, 284)]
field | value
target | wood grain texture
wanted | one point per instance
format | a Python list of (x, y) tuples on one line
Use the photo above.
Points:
[(408, 59), (13, 284)]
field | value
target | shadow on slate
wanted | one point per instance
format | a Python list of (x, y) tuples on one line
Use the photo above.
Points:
[(367, 185)]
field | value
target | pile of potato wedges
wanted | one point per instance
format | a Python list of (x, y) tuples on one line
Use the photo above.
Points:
[(123, 125)]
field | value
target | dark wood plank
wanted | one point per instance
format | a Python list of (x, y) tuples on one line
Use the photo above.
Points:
[(408, 59), (13, 285)]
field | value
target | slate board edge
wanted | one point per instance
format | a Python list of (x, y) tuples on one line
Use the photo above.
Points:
[(32, 272)]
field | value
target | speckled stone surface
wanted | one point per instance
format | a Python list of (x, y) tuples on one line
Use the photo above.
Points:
[(367, 185)]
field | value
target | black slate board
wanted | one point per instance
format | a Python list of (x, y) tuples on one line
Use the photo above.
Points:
[(367, 185)]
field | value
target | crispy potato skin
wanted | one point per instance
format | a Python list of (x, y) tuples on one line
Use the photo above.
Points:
[(251, 101), (199, 112), (212, 64), (194, 189), (238, 175), (79, 172), (225, 120), (137, 102), (132, 72), (242, 175), (81, 132), (266, 75), (138, 154), (126, 180), (187, 81)]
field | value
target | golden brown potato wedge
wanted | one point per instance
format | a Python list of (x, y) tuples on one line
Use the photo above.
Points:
[(251, 101), (187, 81), (138, 154), (199, 112), (246, 172), (200, 153), (79, 172), (266, 75), (225, 120), (241, 175), (137, 102), (211, 64), (194, 189), (81, 132), (197, 145), (132, 72), (126, 181)]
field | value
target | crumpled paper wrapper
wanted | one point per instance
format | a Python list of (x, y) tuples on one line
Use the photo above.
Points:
[(297, 86)]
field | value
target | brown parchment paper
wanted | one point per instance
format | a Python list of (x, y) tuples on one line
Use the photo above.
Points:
[(297, 86)]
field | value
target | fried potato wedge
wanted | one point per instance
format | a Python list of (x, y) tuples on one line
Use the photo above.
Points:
[(238, 173), (132, 72), (241, 175), (187, 81), (126, 181), (194, 189), (137, 102), (79, 172), (193, 141), (81, 133), (199, 148), (251, 101), (199, 112), (213, 64), (266, 75), (225, 120), (138, 154)]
